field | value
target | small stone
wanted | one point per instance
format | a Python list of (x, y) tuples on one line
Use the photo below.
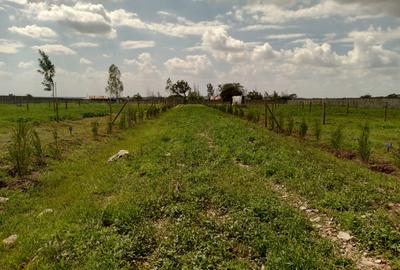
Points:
[(46, 211), (344, 236), (302, 208), (9, 241), (120, 154), (3, 200), (168, 154), (316, 219), (378, 261)]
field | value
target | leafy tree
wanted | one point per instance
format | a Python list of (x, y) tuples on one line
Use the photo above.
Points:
[(114, 84), (210, 91), (228, 90), (254, 95), (47, 69), (366, 96), (393, 96), (180, 88)]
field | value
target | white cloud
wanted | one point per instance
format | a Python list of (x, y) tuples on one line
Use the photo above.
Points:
[(33, 31), (85, 61), (10, 46), (85, 45), (137, 44), (55, 49), (286, 36), (2, 64), (25, 65), (191, 65)]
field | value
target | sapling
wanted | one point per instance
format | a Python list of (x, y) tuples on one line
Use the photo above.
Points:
[(122, 121), (337, 138), (317, 130), (37, 152), (303, 129), (290, 126), (70, 130), (281, 121), (364, 144), (109, 127), (54, 147), (20, 150), (95, 129)]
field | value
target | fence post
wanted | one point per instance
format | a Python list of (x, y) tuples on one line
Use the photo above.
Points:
[(265, 114), (348, 106), (310, 106), (324, 118), (27, 107), (386, 107), (66, 104)]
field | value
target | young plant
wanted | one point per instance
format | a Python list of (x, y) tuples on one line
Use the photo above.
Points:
[(122, 122), (109, 127), (317, 130), (95, 129), (337, 138), (19, 150), (396, 157), (281, 121), (290, 126), (303, 129), (54, 146), (364, 143), (70, 130), (37, 152)]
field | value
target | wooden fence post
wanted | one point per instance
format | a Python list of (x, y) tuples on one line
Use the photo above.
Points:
[(27, 107), (265, 114), (324, 118), (310, 107), (386, 107), (348, 107)]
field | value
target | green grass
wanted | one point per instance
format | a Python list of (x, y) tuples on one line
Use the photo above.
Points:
[(381, 132), (180, 201)]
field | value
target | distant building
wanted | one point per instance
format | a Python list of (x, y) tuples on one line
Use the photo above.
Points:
[(237, 100), (215, 98)]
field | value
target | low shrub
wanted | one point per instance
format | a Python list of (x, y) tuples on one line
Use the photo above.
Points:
[(290, 126), (20, 150), (95, 129), (337, 138), (303, 129)]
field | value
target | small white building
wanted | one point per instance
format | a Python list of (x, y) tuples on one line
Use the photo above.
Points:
[(237, 100)]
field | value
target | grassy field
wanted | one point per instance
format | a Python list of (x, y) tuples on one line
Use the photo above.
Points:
[(194, 194), (381, 132)]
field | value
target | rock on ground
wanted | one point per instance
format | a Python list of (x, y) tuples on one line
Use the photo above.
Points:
[(3, 200), (9, 241), (120, 154)]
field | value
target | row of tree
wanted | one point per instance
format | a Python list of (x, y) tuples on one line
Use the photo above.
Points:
[(180, 88)]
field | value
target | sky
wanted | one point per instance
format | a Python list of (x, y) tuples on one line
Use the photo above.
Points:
[(314, 48)]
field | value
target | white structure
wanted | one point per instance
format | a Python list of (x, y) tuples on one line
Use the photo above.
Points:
[(237, 100)]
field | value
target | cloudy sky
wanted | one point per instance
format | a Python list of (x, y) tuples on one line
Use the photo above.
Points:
[(315, 48)]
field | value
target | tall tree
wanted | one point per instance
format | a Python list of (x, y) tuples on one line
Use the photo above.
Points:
[(114, 85), (180, 88), (254, 95), (210, 91)]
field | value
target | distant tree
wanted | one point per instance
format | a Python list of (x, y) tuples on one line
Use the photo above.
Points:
[(168, 85), (254, 95), (180, 88), (137, 97), (366, 96), (114, 85), (228, 90), (393, 96), (210, 91)]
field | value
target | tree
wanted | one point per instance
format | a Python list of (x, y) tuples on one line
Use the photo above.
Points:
[(114, 84), (180, 88), (47, 69), (195, 96), (137, 97), (254, 95), (210, 91), (366, 96), (228, 90)]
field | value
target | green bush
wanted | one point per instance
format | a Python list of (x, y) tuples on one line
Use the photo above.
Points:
[(54, 147), (364, 144), (303, 129), (20, 150), (337, 138)]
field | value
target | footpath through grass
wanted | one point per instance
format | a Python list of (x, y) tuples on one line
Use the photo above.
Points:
[(180, 201)]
